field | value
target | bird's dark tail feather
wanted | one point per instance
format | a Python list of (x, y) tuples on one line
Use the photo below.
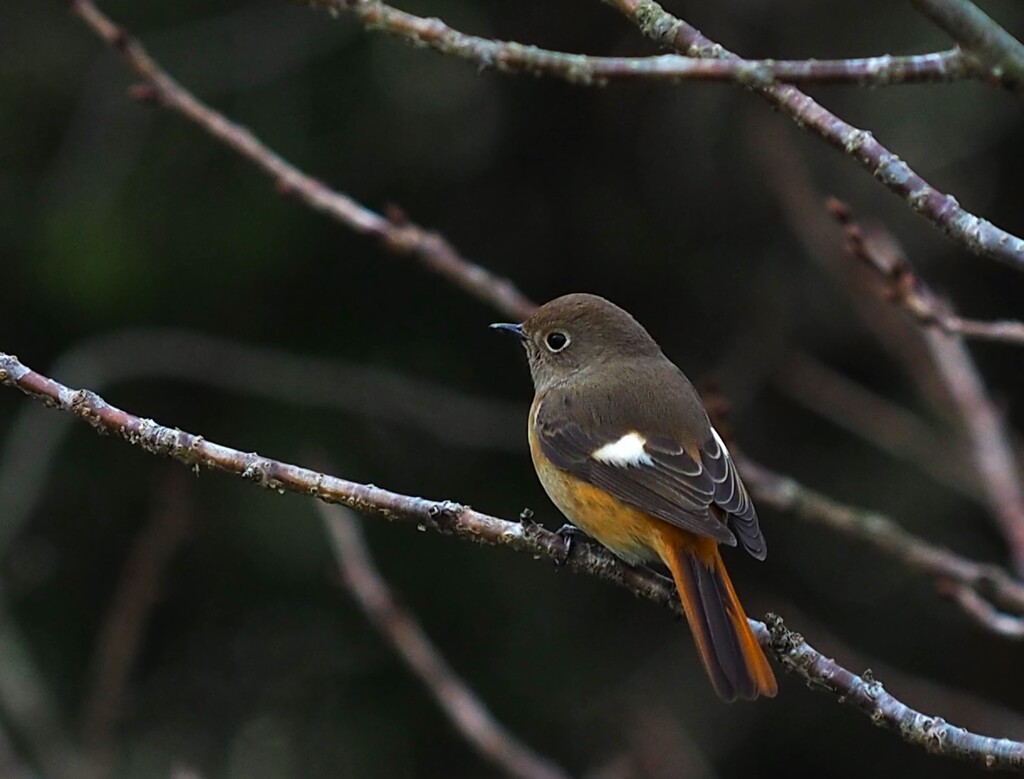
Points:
[(734, 660)]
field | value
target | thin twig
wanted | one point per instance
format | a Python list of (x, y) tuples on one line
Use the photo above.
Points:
[(467, 712), (974, 233), (994, 49), (394, 232), (867, 695), (586, 70), (862, 693), (980, 423), (907, 290), (121, 635)]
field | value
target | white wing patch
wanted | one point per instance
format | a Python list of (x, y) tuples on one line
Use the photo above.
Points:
[(721, 443), (627, 451)]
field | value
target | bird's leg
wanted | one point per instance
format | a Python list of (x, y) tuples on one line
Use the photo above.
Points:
[(568, 533)]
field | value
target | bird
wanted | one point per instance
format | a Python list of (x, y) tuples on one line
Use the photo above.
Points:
[(623, 447)]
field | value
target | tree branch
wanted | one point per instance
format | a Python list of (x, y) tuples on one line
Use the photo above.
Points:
[(394, 232), (586, 70), (466, 711), (973, 233), (993, 48), (862, 693)]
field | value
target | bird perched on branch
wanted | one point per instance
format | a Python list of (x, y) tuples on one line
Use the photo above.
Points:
[(623, 447)]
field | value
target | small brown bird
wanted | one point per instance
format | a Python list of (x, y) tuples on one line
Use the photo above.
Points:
[(623, 447)]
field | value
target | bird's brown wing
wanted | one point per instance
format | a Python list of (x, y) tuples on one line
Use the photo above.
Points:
[(663, 481), (730, 494)]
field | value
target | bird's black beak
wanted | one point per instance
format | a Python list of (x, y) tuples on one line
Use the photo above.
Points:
[(516, 330)]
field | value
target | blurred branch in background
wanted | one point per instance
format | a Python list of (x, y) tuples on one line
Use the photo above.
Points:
[(463, 707), (121, 636), (587, 70), (895, 430), (979, 423), (978, 235), (658, 748), (185, 772), (223, 56), (862, 693)]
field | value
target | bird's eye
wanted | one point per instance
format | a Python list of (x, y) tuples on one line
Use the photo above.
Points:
[(556, 341)]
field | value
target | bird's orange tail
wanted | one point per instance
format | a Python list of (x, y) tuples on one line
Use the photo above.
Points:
[(733, 658)]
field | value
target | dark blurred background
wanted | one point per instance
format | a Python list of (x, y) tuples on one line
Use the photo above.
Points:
[(144, 260)]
